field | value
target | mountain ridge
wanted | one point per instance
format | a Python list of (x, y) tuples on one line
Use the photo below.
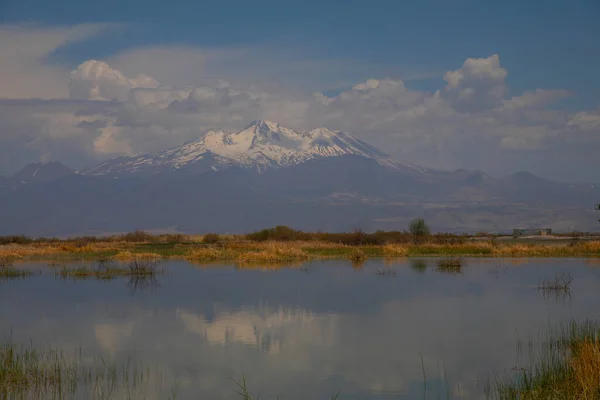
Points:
[(267, 175), (261, 145)]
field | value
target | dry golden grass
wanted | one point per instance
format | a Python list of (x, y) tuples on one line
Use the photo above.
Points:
[(507, 250), (234, 249), (585, 364), (41, 250), (357, 255), (592, 247), (272, 253), (565, 367), (395, 250), (22, 251), (208, 254)]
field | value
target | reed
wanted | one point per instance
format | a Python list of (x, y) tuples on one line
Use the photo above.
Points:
[(6, 261), (208, 254), (8, 273), (273, 252), (357, 255), (138, 268), (558, 283), (243, 391), (395, 250), (28, 373), (565, 366)]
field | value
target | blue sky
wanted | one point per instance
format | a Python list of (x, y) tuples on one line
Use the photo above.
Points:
[(550, 44), (496, 86)]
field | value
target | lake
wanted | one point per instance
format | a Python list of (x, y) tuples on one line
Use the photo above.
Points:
[(381, 330)]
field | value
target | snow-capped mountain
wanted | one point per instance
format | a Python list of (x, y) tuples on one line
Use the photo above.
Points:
[(261, 145)]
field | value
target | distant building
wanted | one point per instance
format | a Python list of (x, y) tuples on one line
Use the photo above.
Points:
[(532, 232)]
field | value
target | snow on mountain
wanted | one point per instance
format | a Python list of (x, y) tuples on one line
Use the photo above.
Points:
[(262, 145)]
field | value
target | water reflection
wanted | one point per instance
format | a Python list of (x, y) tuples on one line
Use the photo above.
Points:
[(418, 265), (305, 335)]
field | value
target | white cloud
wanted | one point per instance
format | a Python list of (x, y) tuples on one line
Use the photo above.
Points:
[(478, 85), (25, 70), (150, 99), (588, 121), (96, 80)]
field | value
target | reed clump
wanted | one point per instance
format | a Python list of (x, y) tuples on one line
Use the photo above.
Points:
[(28, 373), (208, 254), (273, 252), (143, 267), (395, 250), (19, 251), (87, 273), (357, 255), (8, 273), (137, 268), (567, 366), (558, 283), (6, 261)]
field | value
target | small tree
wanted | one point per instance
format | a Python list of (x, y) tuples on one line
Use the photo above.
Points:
[(418, 228)]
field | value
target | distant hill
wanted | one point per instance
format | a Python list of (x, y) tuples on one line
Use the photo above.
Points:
[(40, 173), (266, 175)]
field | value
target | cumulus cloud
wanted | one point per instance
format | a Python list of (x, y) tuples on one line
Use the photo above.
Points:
[(468, 123), (588, 121), (25, 70), (96, 80), (479, 85)]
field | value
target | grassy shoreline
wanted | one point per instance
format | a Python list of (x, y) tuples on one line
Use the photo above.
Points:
[(285, 245), (244, 252)]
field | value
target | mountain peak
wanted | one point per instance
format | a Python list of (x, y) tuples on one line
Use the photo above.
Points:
[(263, 124), (262, 144), (42, 172)]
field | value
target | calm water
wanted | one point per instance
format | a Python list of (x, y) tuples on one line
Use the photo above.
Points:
[(308, 333)]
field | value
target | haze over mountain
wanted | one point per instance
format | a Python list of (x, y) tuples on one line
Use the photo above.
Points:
[(267, 174)]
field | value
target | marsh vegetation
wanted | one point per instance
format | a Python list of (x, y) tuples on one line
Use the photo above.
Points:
[(281, 244), (564, 364), (139, 269), (560, 282), (30, 373), (8, 273)]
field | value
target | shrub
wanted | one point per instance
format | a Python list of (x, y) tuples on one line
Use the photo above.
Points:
[(15, 239), (419, 228), (211, 238), (279, 233), (136, 237)]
